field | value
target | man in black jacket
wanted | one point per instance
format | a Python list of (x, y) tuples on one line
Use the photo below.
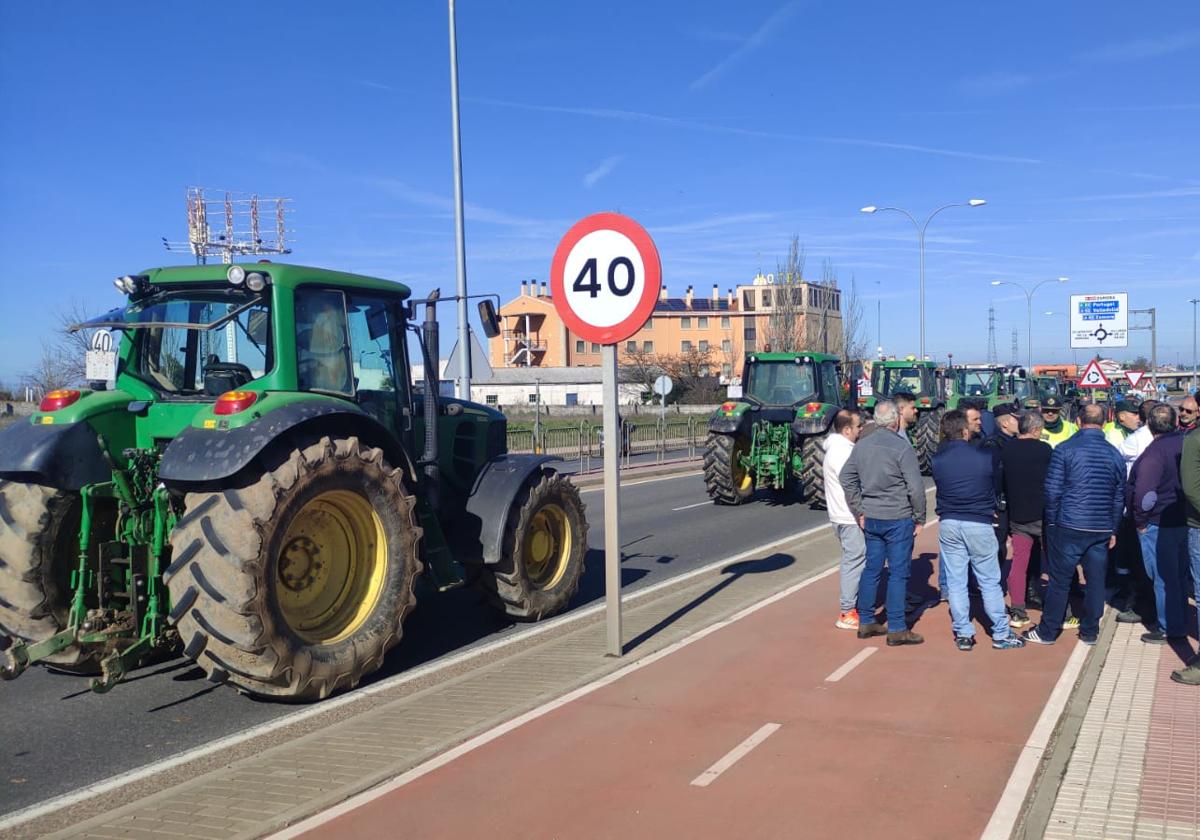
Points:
[(1025, 461)]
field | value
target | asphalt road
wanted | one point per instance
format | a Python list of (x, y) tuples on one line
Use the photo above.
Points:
[(57, 736)]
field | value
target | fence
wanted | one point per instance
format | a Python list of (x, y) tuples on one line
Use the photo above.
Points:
[(682, 437)]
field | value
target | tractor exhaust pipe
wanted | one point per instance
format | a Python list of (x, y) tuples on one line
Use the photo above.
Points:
[(429, 330)]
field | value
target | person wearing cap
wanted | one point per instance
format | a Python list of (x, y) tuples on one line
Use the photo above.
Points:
[(1127, 422), (1005, 433), (1056, 429), (1137, 442)]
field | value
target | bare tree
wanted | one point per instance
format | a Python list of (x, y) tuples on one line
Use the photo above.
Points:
[(639, 367), (63, 359), (784, 330), (693, 376), (856, 342)]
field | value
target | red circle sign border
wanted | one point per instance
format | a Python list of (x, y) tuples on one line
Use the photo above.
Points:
[(650, 261)]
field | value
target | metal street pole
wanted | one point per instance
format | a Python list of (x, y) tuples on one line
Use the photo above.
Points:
[(921, 228), (1195, 367), (612, 500), (464, 359), (1029, 312)]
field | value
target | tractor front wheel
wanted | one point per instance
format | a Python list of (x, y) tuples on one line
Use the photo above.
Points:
[(545, 543), (296, 585), (39, 548), (925, 438), (812, 476), (725, 477)]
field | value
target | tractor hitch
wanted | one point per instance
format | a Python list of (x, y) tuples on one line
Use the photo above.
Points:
[(16, 656)]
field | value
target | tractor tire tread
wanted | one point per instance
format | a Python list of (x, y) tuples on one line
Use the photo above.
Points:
[(719, 451), (812, 478)]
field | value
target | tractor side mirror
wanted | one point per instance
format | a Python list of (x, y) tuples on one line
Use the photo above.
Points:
[(491, 321)]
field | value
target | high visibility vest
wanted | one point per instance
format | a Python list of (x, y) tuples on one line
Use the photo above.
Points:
[(1115, 433), (1068, 429)]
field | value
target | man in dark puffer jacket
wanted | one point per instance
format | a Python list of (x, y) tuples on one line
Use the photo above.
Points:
[(1085, 496)]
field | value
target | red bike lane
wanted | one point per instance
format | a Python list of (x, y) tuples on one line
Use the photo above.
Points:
[(913, 741)]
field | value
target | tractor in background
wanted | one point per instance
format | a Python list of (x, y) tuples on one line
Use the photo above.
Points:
[(987, 386), (773, 436), (926, 384)]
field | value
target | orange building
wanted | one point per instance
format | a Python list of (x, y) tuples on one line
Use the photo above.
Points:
[(725, 326)]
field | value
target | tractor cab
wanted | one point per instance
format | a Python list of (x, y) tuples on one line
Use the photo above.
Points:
[(788, 379)]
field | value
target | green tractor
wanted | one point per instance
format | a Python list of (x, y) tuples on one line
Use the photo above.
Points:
[(263, 488), (773, 437), (924, 381), (988, 385)]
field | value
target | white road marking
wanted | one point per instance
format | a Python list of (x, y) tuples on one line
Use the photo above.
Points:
[(598, 487), (698, 504), (735, 755), (1008, 809), (856, 660)]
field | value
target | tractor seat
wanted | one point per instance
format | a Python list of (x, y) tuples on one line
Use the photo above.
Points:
[(782, 396), (220, 377)]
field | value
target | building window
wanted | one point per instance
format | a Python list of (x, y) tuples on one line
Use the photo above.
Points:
[(702, 323), (766, 298), (595, 347), (727, 370), (748, 300), (649, 323), (726, 345), (631, 346), (580, 346), (647, 346), (572, 399), (703, 346), (725, 322), (533, 398), (685, 346), (492, 399), (812, 297), (685, 323)]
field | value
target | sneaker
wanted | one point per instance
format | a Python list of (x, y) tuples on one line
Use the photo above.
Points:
[(847, 620), (1155, 637), (1128, 617), (1071, 623), (1009, 643), (1018, 618), (964, 643), (904, 637), (1032, 636), (866, 631), (1090, 641)]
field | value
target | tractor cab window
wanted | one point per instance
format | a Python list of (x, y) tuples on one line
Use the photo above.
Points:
[(974, 383), (830, 389), (781, 383), (322, 342), (184, 357), (372, 326), (1021, 388), (900, 380)]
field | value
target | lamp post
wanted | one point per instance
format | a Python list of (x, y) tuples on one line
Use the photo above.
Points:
[(921, 226), (464, 338), (1029, 310), (1193, 302)]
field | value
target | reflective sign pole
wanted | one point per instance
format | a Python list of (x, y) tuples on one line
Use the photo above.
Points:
[(612, 499)]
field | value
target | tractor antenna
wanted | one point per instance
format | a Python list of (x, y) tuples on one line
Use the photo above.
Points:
[(241, 232)]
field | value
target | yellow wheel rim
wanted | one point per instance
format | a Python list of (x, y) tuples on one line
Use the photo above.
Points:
[(331, 567), (547, 549), (742, 479)]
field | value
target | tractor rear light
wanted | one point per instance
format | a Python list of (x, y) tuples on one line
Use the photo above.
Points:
[(812, 408), (862, 400), (728, 406), (55, 400), (924, 400), (234, 402)]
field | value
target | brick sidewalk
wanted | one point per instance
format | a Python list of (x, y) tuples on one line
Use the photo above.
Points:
[(1135, 770)]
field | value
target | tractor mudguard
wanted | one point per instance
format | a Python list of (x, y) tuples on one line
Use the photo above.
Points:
[(65, 457), (816, 423), (207, 455), (492, 497), (729, 425)]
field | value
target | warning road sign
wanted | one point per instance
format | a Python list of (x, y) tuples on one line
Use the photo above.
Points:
[(1093, 377), (1135, 377)]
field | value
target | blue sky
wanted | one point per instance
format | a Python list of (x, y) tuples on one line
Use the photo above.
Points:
[(724, 128)]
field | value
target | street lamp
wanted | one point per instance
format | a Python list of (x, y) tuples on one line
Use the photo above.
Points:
[(1029, 309), (871, 208), (1193, 302)]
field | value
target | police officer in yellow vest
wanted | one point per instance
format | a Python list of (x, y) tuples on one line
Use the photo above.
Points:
[(1127, 422), (1056, 429)]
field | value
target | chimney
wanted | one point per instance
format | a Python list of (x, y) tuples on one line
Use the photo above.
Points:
[(716, 295), (662, 292), (730, 298), (688, 297), (524, 288), (544, 292)]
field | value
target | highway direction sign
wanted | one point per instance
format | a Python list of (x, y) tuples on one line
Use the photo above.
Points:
[(1093, 376), (1100, 320)]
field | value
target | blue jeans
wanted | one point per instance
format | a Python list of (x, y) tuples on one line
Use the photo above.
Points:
[(1067, 548), (1164, 552), (972, 545), (854, 555), (1193, 545), (889, 540)]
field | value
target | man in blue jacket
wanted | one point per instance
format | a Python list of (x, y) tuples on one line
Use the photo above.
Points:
[(967, 504), (1085, 496)]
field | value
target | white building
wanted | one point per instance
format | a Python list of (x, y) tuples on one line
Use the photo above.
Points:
[(558, 386)]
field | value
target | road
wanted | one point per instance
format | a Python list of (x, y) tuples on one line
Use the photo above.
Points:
[(56, 736)]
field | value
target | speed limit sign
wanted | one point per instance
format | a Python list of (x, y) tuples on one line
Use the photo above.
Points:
[(605, 278)]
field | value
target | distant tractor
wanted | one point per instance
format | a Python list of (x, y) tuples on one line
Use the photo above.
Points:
[(773, 436), (263, 488), (987, 385), (924, 381)]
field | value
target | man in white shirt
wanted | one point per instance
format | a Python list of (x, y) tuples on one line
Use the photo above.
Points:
[(838, 446), (1136, 443)]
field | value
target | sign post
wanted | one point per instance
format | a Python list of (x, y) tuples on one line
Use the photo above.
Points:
[(662, 387), (604, 281)]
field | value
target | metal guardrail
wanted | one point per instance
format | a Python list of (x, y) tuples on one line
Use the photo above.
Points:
[(583, 442)]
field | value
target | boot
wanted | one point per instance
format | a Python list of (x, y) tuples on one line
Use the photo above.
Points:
[(1190, 673), (866, 631), (904, 637)]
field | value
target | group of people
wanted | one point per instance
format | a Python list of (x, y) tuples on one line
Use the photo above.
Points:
[(1118, 501)]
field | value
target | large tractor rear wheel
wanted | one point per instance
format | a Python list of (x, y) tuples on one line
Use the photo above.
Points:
[(728, 482), (297, 584), (39, 548), (545, 544), (925, 438), (812, 477)]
